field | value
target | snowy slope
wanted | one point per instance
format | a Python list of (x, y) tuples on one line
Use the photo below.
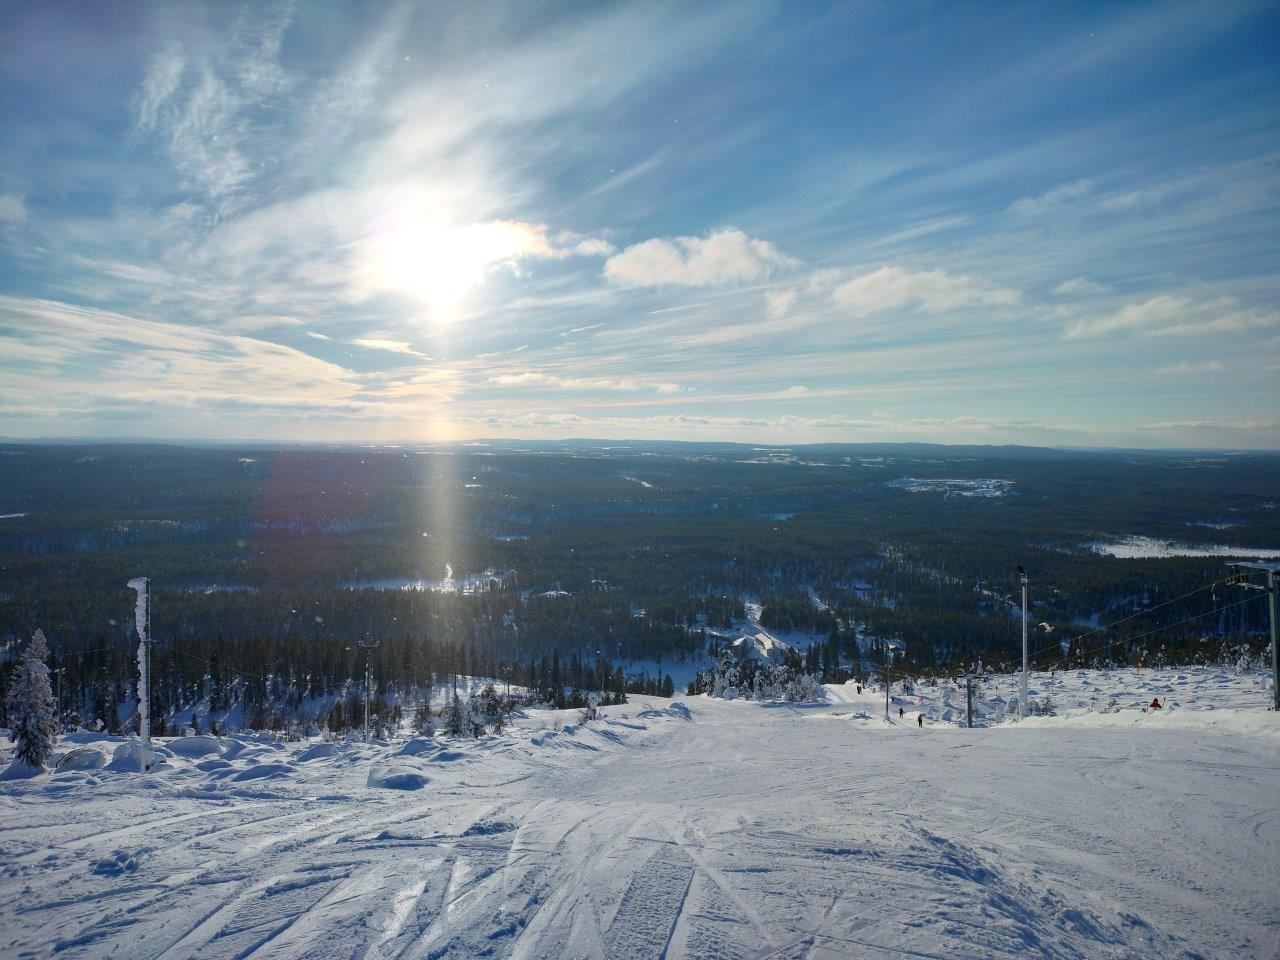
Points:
[(693, 828)]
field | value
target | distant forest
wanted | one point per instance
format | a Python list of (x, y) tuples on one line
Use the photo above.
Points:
[(602, 558)]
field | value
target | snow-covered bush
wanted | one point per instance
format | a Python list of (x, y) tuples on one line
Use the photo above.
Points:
[(31, 711), (1041, 708)]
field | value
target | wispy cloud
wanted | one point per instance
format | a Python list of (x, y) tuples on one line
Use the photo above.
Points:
[(1183, 369), (12, 208), (540, 378), (933, 291), (1172, 315), (389, 346), (1079, 287), (1057, 197)]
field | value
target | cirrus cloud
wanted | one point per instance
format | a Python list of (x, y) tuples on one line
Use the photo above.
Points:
[(1171, 315)]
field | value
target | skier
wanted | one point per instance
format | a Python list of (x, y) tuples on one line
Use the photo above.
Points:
[(1155, 703), (901, 713), (920, 719)]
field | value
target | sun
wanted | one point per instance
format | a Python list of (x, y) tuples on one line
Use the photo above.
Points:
[(440, 263)]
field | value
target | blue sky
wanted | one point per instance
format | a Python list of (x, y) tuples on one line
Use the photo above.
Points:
[(1038, 223)]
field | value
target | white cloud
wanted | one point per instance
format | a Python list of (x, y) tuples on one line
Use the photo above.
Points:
[(12, 208), (82, 358), (200, 103), (1176, 369), (778, 303), (593, 247), (318, 336), (390, 346), (1031, 206), (158, 88), (1135, 199), (1170, 315), (725, 256), (933, 291), (1226, 426), (539, 378), (1079, 287)]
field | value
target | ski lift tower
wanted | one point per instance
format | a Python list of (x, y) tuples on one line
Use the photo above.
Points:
[(1269, 589)]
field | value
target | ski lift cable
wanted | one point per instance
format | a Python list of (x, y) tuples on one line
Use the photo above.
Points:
[(1134, 616), (1170, 626)]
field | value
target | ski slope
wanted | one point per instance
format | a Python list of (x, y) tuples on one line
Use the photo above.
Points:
[(686, 828)]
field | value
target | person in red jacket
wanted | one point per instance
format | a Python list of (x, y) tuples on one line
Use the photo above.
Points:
[(1155, 703)]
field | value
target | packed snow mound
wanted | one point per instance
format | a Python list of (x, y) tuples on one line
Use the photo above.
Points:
[(416, 746), (82, 758), (199, 745), (391, 777), (318, 751), (128, 758), (677, 710), (18, 770), (264, 771)]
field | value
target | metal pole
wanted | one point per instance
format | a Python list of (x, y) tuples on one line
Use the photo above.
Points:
[(1275, 653), (888, 659), (1022, 685)]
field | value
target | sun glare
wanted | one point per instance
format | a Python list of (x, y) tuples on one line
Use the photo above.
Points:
[(440, 264)]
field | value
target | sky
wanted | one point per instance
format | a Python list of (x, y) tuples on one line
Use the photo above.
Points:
[(1047, 223)]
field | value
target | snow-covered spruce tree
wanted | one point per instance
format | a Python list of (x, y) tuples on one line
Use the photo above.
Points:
[(456, 721), (32, 713), (424, 724)]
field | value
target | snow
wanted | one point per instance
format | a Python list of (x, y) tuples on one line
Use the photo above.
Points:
[(988, 487), (1149, 548), (684, 828), (471, 583)]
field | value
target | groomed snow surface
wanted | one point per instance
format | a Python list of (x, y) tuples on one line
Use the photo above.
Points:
[(686, 828)]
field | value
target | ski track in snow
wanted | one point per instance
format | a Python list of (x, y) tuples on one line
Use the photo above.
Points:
[(743, 831)]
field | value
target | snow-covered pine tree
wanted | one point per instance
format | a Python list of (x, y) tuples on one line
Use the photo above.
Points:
[(805, 688), (424, 724), (456, 721), (32, 713)]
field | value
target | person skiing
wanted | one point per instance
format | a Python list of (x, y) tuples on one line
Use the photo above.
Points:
[(1155, 703), (901, 713), (920, 719)]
